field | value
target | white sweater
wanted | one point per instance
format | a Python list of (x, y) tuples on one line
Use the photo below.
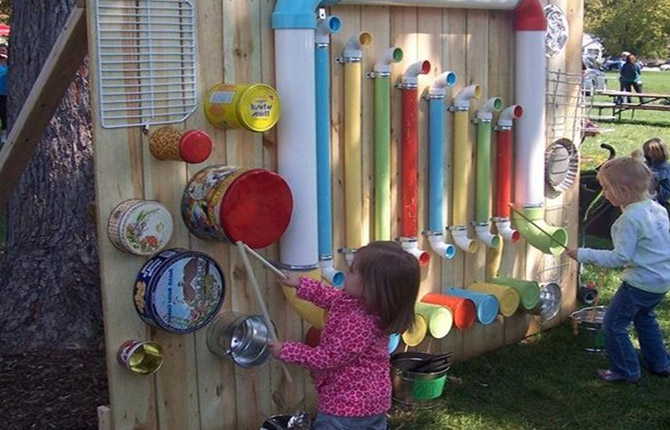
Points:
[(641, 238)]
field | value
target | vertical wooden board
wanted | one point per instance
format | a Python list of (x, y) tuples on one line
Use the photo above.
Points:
[(479, 338), (215, 377), (350, 16), (374, 19), (284, 395), (453, 52), (242, 65), (118, 177)]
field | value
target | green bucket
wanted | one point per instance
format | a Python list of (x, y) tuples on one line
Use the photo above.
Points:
[(588, 327), (415, 388)]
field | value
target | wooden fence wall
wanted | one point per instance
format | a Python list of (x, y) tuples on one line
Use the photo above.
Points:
[(196, 390)]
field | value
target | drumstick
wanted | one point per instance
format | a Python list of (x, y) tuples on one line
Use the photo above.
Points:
[(242, 247), (265, 262), (538, 227)]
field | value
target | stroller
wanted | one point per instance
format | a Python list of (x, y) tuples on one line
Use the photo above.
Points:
[(596, 214)]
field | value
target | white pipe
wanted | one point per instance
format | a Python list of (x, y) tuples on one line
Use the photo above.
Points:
[(459, 4), (509, 114), (411, 76), (411, 245), (441, 82), (485, 112), (296, 155), (330, 273), (391, 55), (530, 133), (460, 235), (462, 99), (484, 234), (504, 226), (437, 244), (354, 47)]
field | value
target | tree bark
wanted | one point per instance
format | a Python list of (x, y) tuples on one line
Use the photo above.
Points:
[(49, 276)]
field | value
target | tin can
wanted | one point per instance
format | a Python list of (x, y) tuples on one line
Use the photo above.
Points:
[(191, 146), (140, 227), (141, 357), (255, 107), (242, 338), (251, 205), (179, 290)]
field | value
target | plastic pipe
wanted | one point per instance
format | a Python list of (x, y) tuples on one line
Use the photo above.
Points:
[(296, 154), (382, 76), (483, 178), (436, 143), (503, 133), (530, 25), (459, 4), (529, 291), (485, 304), (409, 223), (353, 181), (462, 163), (325, 27), (508, 298)]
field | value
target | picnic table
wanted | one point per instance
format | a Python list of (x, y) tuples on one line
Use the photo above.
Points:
[(645, 101)]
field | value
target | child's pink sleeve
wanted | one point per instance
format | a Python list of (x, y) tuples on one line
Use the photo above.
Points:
[(317, 293), (349, 338)]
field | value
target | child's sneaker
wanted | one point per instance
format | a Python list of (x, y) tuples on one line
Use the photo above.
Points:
[(661, 374), (609, 376)]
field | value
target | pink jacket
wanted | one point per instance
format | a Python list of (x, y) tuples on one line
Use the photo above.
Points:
[(351, 363)]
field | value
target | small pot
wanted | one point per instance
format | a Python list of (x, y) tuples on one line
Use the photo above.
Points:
[(242, 338), (416, 388), (587, 324)]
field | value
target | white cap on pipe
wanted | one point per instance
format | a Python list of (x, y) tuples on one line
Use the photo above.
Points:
[(463, 98), (391, 55), (353, 48), (411, 76), (441, 82), (508, 114)]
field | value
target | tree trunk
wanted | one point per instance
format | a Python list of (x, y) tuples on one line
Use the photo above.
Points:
[(49, 277)]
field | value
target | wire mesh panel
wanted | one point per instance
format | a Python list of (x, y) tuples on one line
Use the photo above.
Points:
[(146, 61)]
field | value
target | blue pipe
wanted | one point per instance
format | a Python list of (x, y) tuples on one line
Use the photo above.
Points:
[(435, 160), (297, 13), (323, 150)]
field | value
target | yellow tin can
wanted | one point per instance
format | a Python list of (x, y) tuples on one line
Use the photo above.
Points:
[(255, 107)]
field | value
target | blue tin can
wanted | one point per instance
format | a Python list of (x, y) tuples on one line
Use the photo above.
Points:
[(179, 290)]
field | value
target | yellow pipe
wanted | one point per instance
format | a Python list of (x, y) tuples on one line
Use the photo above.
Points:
[(308, 311), (494, 258), (353, 182)]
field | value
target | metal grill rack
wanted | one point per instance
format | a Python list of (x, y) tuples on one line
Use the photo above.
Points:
[(146, 61), (566, 97)]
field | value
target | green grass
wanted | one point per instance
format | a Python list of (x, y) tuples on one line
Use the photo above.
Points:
[(547, 382)]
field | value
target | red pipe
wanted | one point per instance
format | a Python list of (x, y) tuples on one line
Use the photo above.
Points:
[(409, 223), (529, 16), (503, 173)]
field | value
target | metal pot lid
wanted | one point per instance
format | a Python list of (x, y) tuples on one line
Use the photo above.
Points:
[(561, 166)]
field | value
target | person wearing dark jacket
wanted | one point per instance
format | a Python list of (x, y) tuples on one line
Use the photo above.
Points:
[(630, 76)]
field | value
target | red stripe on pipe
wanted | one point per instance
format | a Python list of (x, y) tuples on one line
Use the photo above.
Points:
[(409, 224), (529, 16), (503, 173)]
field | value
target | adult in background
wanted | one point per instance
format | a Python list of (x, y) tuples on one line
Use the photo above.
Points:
[(630, 76)]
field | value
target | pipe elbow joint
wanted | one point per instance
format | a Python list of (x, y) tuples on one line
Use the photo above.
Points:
[(485, 112), (484, 235), (325, 27), (504, 226), (353, 50), (437, 244), (411, 245), (463, 98), (411, 77), (391, 55), (441, 82), (509, 114), (540, 235), (460, 235), (295, 14), (330, 273)]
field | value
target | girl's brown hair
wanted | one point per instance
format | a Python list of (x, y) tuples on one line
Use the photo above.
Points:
[(391, 278), (655, 150), (627, 178)]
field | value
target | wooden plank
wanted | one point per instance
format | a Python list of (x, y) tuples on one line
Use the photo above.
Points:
[(215, 376), (59, 70), (119, 176), (453, 54), (104, 418), (286, 397)]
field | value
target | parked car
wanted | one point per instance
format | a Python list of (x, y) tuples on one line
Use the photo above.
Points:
[(664, 67)]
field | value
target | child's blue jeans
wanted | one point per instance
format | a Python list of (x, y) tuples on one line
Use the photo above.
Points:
[(332, 422), (631, 304)]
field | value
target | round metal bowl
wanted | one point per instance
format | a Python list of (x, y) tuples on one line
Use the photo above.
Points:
[(241, 338), (550, 301)]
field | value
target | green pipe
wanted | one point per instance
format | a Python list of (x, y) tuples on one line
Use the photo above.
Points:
[(528, 290), (382, 157), (539, 234), (482, 210)]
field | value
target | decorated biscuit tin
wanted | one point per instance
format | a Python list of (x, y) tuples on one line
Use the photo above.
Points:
[(179, 290), (255, 107), (141, 227), (191, 146)]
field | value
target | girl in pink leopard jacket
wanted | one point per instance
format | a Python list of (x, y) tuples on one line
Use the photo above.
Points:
[(351, 364)]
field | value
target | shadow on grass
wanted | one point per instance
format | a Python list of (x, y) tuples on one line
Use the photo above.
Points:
[(546, 382), (633, 121)]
